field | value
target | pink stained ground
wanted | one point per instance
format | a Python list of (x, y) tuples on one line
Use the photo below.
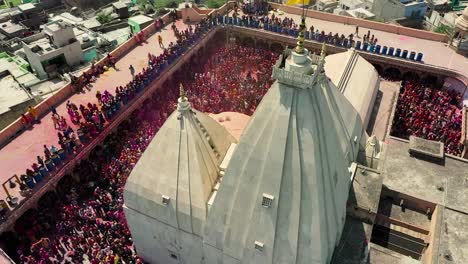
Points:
[(234, 122), (20, 153)]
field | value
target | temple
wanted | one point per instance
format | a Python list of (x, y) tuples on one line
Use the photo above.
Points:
[(284, 192)]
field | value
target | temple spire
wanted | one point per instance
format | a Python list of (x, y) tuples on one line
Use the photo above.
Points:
[(300, 39), (324, 50), (182, 93)]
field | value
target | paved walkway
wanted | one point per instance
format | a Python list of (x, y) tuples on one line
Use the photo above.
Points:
[(20, 153)]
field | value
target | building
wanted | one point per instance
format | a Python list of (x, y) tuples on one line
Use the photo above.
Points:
[(55, 48), (460, 38), (387, 10), (167, 213), (326, 5), (278, 196), (138, 23)]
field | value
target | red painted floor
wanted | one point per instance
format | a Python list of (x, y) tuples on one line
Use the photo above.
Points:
[(20, 153)]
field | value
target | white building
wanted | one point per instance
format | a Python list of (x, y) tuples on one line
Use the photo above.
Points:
[(166, 196), (283, 195), (54, 48), (395, 9)]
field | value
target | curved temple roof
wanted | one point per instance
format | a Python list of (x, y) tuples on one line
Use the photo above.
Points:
[(182, 164), (294, 156)]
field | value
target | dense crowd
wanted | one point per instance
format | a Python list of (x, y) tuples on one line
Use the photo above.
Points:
[(86, 223), (433, 114), (256, 16)]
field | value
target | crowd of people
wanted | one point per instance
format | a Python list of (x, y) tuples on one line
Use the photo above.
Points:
[(433, 114), (252, 17), (86, 221)]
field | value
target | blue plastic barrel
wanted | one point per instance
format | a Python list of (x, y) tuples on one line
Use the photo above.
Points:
[(384, 50), (372, 48), (419, 57), (391, 51), (358, 45), (365, 46), (377, 49), (37, 177), (43, 171), (30, 183), (265, 26), (412, 55), (50, 165), (56, 160), (404, 54), (398, 53), (306, 35), (62, 155), (269, 27)]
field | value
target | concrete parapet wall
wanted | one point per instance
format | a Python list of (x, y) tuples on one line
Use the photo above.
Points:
[(363, 23)]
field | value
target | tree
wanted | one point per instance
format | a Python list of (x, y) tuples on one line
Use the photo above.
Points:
[(103, 17)]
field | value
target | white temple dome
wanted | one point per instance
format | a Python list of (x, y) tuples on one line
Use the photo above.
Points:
[(167, 192), (283, 197)]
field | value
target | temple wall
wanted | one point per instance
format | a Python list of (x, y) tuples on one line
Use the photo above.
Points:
[(159, 243)]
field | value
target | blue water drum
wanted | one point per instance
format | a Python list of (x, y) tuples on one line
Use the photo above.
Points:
[(37, 177), (62, 155), (419, 57), (384, 50), (365, 46), (372, 48), (377, 49), (30, 183), (50, 165), (345, 42), (43, 171), (412, 55), (56, 160), (404, 54), (269, 27), (230, 20), (358, 45), (265, 26), (391, 51), (307, 35), (398, 52)]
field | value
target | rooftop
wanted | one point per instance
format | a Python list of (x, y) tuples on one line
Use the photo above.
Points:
[(140, 19), (442, 184), (10, 27), (26, 7)]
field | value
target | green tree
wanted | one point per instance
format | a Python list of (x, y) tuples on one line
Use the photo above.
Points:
[(103, 17)]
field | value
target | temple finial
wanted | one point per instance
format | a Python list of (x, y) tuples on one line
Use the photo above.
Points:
[(182, 92), (324, 50), (300, 39)]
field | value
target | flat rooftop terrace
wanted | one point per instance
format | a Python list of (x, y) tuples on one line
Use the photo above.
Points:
[(443, 184), (435, 53)]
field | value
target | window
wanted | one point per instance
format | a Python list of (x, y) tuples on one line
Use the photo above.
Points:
[(258, 245), (173, 255), (165, 200), (267, 200)]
